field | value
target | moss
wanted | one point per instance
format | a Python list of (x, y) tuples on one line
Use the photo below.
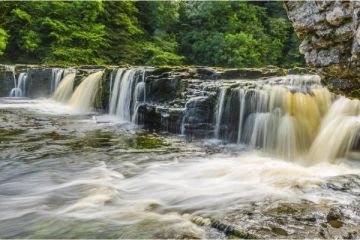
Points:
[(102, 95), (355, 93), (99, 139), (279, 231), (253, 73), (147, 142), (335, 223), (56, 136), (10, 132)]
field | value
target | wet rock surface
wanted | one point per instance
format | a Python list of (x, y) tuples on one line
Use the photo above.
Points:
[(183, 100), (330, 33), (180, 100)]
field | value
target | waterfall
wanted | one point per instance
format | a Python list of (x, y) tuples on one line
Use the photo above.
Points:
[(292, 117), (182, 126), (139, 98), (339, 132), (84, 95), (56, 74), (280, 115), (219, 111), (127, 93), (19, 89), (115, 90), (65, 88)]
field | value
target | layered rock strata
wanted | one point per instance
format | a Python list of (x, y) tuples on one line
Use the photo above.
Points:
[(330, 36)]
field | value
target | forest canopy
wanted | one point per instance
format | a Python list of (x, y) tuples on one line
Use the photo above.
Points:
[(224, 33)]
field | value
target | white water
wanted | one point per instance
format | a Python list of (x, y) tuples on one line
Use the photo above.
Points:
[(139, 98), (219, 111), (295, 118), (56, 74), (84, 95), (115, 90), (108, 192), (127, 93), (65, 89), (338, 133), (19, 89), (242, 96)]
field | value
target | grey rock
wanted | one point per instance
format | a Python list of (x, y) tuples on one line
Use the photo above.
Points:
[(344, 32), (337, 15), (304, 15), (330, 31), (324, 4)]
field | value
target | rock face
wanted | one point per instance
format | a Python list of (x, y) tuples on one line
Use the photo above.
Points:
[(331, 40), (178, 99), (184, 100)]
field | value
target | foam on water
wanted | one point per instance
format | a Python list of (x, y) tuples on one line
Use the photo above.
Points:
[(45, 106), (164, 191)]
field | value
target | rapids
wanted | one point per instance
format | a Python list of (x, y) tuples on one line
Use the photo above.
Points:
[(284, 165), (66, 176)]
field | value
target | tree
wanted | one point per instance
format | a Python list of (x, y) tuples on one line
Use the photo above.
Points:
[(224, 33), (159, 21), (3, 41), (234, 34)]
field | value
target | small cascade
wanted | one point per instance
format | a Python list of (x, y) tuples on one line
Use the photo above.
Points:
[(65, 89), (56, 74), (194, 117), (219, 112), (139, 97), (182, 126), (19, 89), (127, 93), (115, 90), (280, 115), (339, 132), (84, 95)]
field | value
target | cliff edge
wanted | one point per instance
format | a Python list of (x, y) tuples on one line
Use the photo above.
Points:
[(330, 36)]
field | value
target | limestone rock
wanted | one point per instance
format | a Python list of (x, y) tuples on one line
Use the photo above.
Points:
[(330, 31), (337, 16)]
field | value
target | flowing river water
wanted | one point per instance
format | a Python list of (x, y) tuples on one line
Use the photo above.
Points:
[(66, 173)]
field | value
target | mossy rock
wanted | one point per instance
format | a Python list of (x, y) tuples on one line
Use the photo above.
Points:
[(147, 142), (253, 73)]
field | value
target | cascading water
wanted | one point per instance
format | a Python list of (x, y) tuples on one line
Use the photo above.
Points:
[(84, 95), (219, 111), (19, 89), (139, 97), (339, 132), (76, 178), (65, 89), (127, 93), (291, 117), (56, 74), (115, 90)]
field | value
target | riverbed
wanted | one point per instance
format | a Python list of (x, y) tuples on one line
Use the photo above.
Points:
[(64, 174)]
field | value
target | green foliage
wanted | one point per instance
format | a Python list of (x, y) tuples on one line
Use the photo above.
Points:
[(123, 33), (3, 41), (224, 33), (234, 34)]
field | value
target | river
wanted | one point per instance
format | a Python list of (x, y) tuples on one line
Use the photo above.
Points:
[(64, 174)]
